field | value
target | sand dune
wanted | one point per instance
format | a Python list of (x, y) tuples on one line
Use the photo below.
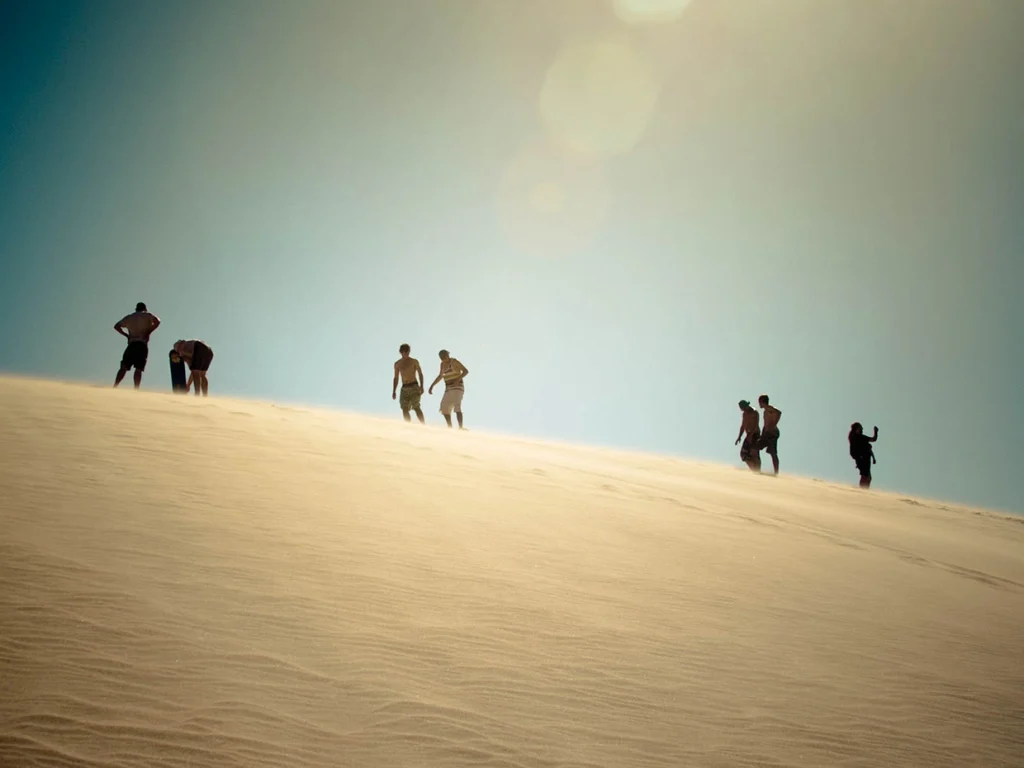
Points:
[(199, 583)]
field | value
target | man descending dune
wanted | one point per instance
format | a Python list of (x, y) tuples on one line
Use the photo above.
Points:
[(408, 369), (750, 425), (453, 372), (198, 355), (137, 328)]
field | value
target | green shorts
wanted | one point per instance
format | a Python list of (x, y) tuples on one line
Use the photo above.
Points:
[(409, 397)]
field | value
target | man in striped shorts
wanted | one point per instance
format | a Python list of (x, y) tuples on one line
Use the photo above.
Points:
[(453, 372)]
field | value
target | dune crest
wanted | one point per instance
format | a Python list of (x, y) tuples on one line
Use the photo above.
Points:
[(203, 583)]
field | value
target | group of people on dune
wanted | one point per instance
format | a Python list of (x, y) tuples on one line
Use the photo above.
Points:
[(137, 328), (755, 439), (140, 325)]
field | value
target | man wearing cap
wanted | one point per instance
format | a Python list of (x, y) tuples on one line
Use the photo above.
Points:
[(137, 328), (453, 372), (750, 424)]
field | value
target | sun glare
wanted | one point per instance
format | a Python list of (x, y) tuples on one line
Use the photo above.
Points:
[(649, 11), (598, 97)]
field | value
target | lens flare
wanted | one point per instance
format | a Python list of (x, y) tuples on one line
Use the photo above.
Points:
[(551, 202), (599, 96), (649, 11)]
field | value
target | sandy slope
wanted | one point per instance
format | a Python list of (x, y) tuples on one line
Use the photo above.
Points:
[(224, 583)]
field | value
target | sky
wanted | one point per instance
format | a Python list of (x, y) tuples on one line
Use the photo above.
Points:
[(622, 215)]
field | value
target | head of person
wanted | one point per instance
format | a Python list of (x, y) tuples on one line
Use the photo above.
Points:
[(762, 400), (744, 405), (443, 354), (404, 350), (141, 307), (856, 428)]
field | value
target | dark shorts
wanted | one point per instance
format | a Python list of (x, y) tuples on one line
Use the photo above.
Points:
[(864, 466), (748, 451), (135, 356), (769, 442), (202, 356)]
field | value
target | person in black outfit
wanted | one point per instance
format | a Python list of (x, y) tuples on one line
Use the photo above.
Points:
[(861, 452)]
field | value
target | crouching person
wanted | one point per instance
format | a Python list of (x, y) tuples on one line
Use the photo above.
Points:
[(198, 356)]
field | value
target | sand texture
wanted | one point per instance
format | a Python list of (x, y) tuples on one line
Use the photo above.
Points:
[(214, 583)]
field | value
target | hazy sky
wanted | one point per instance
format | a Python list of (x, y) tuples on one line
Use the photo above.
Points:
[(621, 228)]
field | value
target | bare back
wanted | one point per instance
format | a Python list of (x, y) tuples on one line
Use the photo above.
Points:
[(771, 417), (139, 326)]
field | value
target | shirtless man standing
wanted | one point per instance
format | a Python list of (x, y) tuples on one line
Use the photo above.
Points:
[(453, 372), (408, 368), (770, 435), (137, 328), (749, 452)]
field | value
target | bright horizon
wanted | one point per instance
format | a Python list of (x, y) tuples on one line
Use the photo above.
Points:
[(622, 229)]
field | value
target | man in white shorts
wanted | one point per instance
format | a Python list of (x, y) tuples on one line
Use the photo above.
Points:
[(453, 372)]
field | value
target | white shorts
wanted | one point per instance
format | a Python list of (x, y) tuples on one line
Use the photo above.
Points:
[(452, 401)]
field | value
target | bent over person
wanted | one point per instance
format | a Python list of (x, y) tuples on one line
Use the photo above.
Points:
[(198, 355), (453, 372), (137, 328)]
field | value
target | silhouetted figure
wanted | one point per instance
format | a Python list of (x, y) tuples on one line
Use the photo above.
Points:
[(770, 434), (750, 424), (137, 328), (861, 452), (453, 372), (408, 368)]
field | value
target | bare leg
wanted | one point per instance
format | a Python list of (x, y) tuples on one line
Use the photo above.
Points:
[(448, 419), (138, 378), (405, 414), (458, 415), (775, 463), (120, 376), (202, 384), (419, 415)]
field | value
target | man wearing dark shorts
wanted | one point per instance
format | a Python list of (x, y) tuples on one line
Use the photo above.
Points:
[(137, 328), (770, 433), (198, 355), (862, 452)]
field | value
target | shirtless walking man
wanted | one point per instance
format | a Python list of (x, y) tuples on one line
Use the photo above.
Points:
[(408, 368), (137, 328), (770, 434), (453, 372), (749, 451)]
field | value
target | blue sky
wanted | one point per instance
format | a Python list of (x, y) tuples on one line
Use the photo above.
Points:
[(621, 229)]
